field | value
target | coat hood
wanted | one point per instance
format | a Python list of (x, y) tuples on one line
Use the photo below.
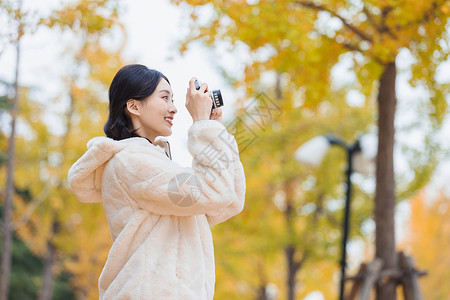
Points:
[(85, 175)]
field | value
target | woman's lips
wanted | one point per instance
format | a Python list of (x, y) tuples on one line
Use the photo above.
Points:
[(169, 121)]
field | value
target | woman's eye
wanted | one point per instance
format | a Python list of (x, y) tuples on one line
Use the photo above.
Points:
[(167, 98)]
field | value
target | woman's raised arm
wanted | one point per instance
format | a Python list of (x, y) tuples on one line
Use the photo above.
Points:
[(215, 185)]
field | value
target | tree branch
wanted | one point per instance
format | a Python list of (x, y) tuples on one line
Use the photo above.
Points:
[(369, 16), (352, 47), (348, 45), (299, 263), (45, 192), (383, 28), (426, 17), (346, 23)]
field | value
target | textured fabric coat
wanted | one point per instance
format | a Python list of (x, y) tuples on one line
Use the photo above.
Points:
[(159, 213)]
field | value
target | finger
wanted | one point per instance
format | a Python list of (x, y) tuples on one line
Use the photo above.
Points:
[(204, 87), (219, 113), (191, 83)]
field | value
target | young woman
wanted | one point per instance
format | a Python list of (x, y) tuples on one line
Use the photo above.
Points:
[(159, 213)]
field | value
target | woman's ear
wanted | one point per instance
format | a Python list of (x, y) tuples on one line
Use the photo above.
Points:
[(132, 107)]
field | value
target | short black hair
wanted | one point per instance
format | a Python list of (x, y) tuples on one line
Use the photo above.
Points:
[(131, 82)]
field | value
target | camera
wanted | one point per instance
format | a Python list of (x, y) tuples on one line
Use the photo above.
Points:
[(216, 95)]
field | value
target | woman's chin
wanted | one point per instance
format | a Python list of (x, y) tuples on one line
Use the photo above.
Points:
[(167, 133)]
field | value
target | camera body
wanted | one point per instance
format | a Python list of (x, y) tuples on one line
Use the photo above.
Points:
[(215, 95)]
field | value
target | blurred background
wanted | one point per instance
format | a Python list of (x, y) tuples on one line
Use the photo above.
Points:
[(291, 73)]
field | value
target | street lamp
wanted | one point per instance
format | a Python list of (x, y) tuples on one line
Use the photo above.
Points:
[(360, 158)]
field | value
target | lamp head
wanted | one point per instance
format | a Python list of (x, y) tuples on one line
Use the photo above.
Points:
[(364, 160), (313, 151)]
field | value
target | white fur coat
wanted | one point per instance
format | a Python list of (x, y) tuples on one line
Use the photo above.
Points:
[(160, 213)]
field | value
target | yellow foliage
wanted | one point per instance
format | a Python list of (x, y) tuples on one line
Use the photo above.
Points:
[(291, 40), (45, 210), (428, 243)]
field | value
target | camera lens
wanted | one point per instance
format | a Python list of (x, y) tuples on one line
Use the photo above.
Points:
[(217, 98)]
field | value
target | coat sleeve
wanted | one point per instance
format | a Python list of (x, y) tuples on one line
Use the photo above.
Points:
[(164, 187), (236, 206)]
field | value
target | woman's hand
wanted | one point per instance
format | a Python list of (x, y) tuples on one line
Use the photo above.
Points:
[(216, 114), (198, 102)]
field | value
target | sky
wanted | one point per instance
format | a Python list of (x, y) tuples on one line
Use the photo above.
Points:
[(154, 28)]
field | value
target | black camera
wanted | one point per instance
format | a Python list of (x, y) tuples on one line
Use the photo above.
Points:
[(216, 95)]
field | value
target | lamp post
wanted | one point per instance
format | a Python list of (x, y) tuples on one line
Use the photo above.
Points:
[(360, 158)]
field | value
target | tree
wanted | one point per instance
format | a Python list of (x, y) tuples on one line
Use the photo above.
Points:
[(17, 16), (289, 219), (26, 266), (89, 21), (50, 221), (312, 36)]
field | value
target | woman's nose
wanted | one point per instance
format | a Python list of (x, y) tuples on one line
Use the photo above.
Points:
[(173, 108)]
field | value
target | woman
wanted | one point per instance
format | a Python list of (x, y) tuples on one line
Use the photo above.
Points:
[(159, 213)]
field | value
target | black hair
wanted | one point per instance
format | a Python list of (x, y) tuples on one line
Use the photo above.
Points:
[(131, 82)]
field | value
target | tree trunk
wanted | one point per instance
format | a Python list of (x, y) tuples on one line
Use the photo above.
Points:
[(50, 259), (262, 294), (385, 186), (7, 227), (289, 250), (262, 291), (293, 265)]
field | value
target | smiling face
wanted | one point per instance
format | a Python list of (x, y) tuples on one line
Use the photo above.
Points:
[(153, 116)]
